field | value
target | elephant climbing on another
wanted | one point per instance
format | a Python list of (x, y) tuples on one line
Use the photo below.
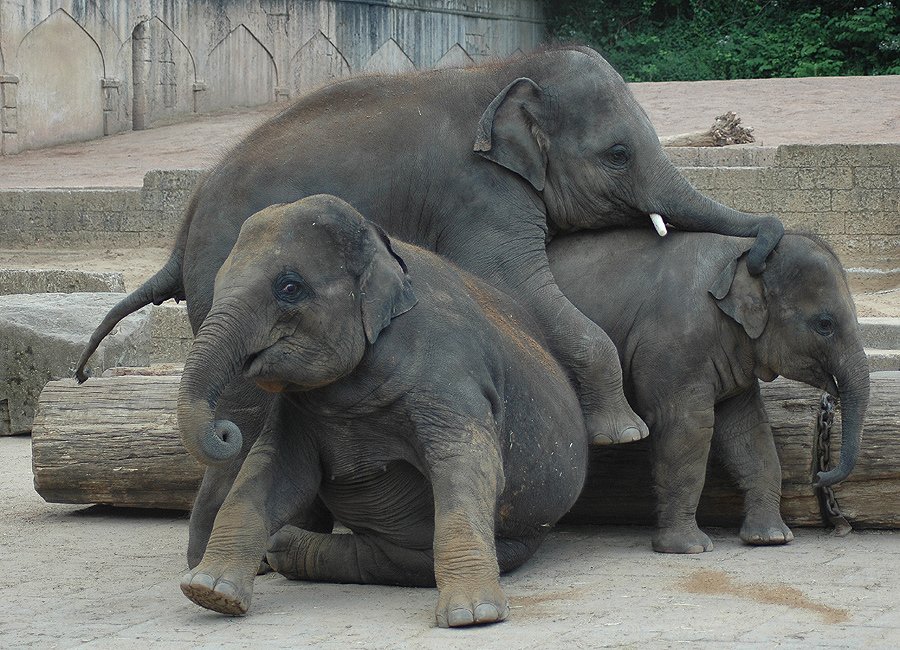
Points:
[(480, 165), (413, 400), (695, 332)]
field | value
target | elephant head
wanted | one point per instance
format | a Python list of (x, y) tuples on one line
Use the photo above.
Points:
[(802, 322), (306, 288), (580, 138)]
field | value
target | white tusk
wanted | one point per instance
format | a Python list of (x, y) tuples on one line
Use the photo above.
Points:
[(659, 224)]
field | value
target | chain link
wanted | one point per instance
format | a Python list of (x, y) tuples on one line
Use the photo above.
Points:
[(828, 505)]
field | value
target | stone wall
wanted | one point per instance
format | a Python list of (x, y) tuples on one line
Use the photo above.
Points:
[(85, 218), (79, 69), (848, 194)]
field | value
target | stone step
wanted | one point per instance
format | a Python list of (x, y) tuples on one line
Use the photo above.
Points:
[(880, 333), (883, 359)]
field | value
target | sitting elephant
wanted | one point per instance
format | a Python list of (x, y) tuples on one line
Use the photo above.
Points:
[(695, 332), (416, 402)]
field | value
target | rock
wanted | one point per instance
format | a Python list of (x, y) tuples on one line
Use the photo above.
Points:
[(41, 339), (13, 281)]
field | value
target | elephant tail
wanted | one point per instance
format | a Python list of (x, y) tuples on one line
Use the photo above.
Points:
[(165, 284)]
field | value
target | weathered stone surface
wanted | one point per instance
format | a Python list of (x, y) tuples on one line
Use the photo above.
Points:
[(41, 339), (170, 332), (58, 281)]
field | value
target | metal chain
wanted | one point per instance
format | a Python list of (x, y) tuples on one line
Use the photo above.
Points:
[(828, 505)]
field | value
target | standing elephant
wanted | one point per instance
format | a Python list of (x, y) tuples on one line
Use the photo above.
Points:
[(695, 332), (412, 399), (481, 165)]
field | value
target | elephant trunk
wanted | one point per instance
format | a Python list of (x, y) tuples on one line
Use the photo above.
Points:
[(853, 388), (687, 209), (215, 358)]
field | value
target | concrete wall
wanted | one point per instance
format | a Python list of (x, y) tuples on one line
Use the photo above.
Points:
[(78, 69), (848, 194)]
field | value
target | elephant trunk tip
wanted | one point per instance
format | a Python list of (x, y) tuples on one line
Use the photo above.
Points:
[(829, 478), (220, 443)]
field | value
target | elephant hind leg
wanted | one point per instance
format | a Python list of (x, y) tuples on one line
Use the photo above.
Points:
[(348, 558), (743, 441)]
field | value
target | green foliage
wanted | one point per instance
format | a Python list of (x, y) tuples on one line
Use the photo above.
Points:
[(688, 40)]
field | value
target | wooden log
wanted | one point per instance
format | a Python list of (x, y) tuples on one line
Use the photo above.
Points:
[(114, 440), (725, 130)]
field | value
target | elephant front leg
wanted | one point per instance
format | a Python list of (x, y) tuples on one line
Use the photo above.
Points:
[(586, 350), (743, 440), (467, 480), (266, 493), (223, 580)]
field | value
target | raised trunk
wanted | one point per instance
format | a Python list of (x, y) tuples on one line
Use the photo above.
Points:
[(853, 384), (684, 207), (214, 359)]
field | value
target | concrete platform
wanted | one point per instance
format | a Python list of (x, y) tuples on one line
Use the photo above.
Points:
[(91, 578)]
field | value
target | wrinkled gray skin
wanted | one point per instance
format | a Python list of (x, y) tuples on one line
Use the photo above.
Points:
[(413, 400), (695, 332), (479, 165)]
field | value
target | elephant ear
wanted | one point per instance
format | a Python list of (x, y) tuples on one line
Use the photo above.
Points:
[(384, 285), (742, 296), (510, 132)]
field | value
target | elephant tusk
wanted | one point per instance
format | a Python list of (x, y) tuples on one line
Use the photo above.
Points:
[(659, 224)]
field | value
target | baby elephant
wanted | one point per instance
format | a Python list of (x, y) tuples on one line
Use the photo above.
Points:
[(695, 332), (414, 401)]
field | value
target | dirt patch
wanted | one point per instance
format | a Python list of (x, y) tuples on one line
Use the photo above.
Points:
[(712, 582)]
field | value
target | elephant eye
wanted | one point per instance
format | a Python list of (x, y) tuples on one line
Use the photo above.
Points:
[(618, 156), (289, 287), (824, 325)]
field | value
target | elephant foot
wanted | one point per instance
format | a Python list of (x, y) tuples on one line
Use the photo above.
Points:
[(458, 607), (220, 594), (611, 427), (681, 540), (770, 531)]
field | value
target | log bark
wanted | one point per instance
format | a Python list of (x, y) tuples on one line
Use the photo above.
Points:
[(114, 440), (725, 130)]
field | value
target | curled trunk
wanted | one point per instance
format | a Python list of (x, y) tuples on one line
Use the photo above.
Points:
[(215, 358), (853, 385), (687, 209)]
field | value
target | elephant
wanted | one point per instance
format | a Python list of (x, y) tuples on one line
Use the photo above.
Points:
[(418, 403), (696, 331), (482, 165)]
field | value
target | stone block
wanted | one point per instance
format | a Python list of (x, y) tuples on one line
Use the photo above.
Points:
[(703, 178), (880, 178), (880, 333), (171, 333), (753, 200), (873, 223), (11, 201), (14, 281), (879, 155), (816, 155), (41, 339), (803, 201), (830, 178)]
